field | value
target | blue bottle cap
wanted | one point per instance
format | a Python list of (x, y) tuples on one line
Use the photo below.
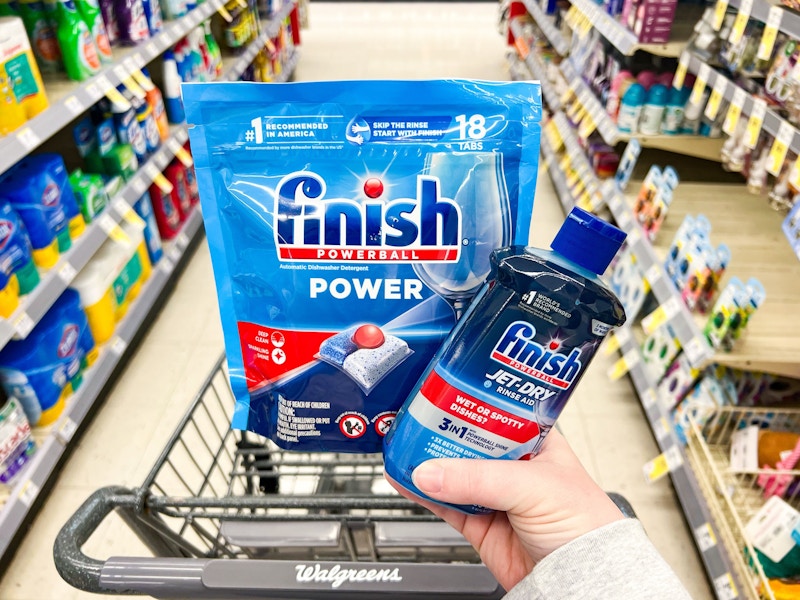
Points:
[(588, 241)]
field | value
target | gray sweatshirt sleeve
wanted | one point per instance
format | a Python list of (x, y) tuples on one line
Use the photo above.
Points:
[(617, 561)]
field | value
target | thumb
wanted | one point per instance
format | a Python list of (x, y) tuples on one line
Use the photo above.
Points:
[(496, 484)]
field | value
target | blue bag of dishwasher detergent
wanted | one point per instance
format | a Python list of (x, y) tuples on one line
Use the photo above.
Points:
[(350, 223)]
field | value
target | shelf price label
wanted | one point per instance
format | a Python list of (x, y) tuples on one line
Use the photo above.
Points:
[(568, 93), (73, 105), (628, 361), (704, 536), (739, 25), (716, 97), (28, 493), (28, 138), (649, 398), (117, 346), (223, 12), (780, 147), (725, 588), (127, 80), (663, 464), (143, 80), (719, 14), (616, 340), (113, 230), (666, 312), (653, 274), (587, 126), (158, 178), (680, 72), (67, 273), (700, 84), (734, 111), (180, 152), (23, 325), (755, 123), (770, 33), (66, 431), (126, 211)]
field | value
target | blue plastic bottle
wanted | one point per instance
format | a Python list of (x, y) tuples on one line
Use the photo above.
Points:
[(653, 110), (631, 109), (500, 380)]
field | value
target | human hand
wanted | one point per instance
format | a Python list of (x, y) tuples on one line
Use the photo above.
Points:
[(542, 504)]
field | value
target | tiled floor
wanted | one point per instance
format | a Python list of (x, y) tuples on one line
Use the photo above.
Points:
[(372, 40)]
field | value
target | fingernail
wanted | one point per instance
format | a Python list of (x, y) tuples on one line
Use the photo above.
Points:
[(428, 477)]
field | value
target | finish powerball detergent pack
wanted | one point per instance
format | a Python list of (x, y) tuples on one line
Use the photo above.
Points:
[(350, 224)]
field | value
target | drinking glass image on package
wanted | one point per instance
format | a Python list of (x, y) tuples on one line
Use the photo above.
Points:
[(348, 234), (500, 380)]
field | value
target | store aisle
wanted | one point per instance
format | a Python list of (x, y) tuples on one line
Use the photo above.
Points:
[(603, 422)]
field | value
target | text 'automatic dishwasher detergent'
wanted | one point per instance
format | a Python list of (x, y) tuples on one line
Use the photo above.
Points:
[(349, 224), (501, 379)]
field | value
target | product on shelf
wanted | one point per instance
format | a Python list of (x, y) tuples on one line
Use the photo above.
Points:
[(156, 101), (38, 188), (144, 208), (628, 282), (41, 27), (172, 89), (112, 279), (22, 94), (90, 191), (181, 192), (659, 350), (166, 209), (45, 368), (78, 48), (775, 548), (732, 311), (16, 444), (650, 20), (109, 20), (791, 227), (152, 12), (131, 21), (243, 28), (678, 379), (90, 13), (16, 254)]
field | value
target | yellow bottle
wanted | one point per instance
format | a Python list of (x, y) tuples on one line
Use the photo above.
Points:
[(19, 72)]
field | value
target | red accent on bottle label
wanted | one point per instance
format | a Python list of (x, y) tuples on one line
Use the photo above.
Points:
[(468, 408)]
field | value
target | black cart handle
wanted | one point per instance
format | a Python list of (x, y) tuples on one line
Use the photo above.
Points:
[(77, 569)]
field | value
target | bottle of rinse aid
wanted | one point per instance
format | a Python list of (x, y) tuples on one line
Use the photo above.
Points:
[(502, 377)]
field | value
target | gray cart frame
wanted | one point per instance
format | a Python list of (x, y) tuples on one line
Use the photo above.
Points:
[(310, 525)]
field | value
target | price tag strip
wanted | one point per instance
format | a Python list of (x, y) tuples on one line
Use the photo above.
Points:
[(755, 123), (680, 72), (180, 152), (113, 230), (780, 147), (700, 84), (629, 360), (770, 33), (663, 464), (719, 14), (716, 97), (126, 211), (158, 178), (739, 25), (734, 111), (704, 536), (725, 588), (666, 312)]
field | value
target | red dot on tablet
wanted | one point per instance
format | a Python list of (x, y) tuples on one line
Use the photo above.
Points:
[(373, 187), (368, 336)]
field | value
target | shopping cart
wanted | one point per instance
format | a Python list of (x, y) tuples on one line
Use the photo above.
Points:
[(312, 525)]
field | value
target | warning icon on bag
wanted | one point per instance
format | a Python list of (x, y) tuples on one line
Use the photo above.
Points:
[(352, 425)]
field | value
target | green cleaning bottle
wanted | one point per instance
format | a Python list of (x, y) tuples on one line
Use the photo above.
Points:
[(78, 48), (90, 11)]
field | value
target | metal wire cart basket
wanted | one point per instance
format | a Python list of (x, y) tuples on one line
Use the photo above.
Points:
[(310, 525)]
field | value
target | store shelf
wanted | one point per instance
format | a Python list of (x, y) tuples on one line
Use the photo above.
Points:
[(547, 24), (691, 338), (36, 474), (69, 99), (605, 126), (790, 21), (758, 246), (689, 145), (772, 121), (625, 40), (54, 281), (752, 230), (557, 176), (716, 559), (270, 29), (536, 69)]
